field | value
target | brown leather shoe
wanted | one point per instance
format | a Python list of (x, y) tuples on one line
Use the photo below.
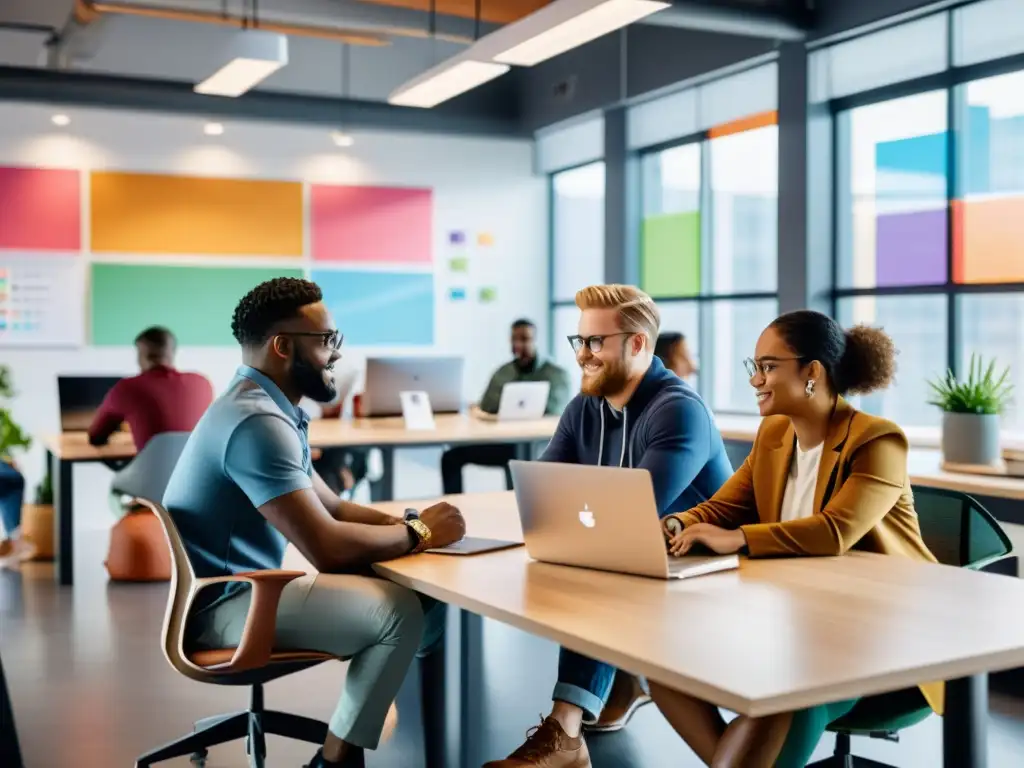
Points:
[(547, 746), (626, 698)]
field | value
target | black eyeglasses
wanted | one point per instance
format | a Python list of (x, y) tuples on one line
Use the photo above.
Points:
[(332, 339), (762, 366), (594, 343)]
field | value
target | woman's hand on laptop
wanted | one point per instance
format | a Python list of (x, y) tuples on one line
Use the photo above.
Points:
[(445, 522), (718, 540)]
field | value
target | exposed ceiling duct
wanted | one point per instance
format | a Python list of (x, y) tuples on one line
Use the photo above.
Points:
[(88, 11)]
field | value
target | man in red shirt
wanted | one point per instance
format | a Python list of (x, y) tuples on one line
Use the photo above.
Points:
[(160, 399)]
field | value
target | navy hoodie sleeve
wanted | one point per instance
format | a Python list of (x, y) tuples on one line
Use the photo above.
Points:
[(678, 447), (563, 444)]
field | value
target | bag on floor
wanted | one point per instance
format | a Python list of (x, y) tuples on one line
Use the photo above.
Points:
[(138, 549)]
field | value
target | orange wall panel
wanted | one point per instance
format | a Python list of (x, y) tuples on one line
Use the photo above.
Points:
[(152, 213), (989, 240)]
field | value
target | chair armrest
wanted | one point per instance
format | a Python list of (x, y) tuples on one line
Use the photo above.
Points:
[(257, 641)]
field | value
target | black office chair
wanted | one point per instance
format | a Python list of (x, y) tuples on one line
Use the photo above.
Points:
[(961, 532)]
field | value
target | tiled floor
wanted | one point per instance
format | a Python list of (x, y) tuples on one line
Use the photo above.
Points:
[(92, 690)]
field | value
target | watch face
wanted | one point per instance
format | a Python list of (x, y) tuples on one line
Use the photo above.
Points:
[(673, 525)]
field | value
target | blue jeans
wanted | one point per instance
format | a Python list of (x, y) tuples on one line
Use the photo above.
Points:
[(12, 494), (584, 682)]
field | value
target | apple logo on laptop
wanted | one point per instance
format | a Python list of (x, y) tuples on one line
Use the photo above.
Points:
[(587, 517)]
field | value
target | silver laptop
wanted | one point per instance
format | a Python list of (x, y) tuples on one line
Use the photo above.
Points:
[(599, 517), (522, 400), (388, 377)]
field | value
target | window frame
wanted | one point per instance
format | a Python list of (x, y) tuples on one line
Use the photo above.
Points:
[(704, 300), (950, 81)]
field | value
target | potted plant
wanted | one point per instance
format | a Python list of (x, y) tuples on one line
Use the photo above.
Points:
[(971, 410)]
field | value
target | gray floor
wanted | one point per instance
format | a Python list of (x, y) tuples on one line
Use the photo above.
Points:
[(92, 690)]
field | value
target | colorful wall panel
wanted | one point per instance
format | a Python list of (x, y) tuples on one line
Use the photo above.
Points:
[(988, 240), (141, 213), (670, 254), (377, 308), (197, 303), (371, 224), (910, 197), (40, 209)]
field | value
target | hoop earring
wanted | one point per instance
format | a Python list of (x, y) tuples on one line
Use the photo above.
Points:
[(809, 389)]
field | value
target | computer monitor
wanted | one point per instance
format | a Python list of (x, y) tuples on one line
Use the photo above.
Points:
[(79, 397), (387, 377)]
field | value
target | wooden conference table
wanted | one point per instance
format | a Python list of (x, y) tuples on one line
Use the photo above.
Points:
[(387, 434), (826, 629)]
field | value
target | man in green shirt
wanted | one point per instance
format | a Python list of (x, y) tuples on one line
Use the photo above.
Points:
[(525, 366)]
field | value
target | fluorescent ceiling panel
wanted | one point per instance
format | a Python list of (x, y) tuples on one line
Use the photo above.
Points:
[(446, 81), (562, 26), (251, 56)]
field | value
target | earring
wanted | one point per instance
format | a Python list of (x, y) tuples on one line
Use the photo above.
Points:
[(809, 389)]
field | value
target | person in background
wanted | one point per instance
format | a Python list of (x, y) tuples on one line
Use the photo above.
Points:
[(822, 479), (631, 412), (244, 488), (13, 548), (525, 365), (672, 349), (159, 399)]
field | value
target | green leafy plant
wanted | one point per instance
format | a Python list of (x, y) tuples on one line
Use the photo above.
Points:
[(11, 435), (44, 491), (982, 392)]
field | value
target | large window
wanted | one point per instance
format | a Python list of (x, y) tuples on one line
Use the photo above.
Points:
[(577, 250), (930, 241), (708, 250)]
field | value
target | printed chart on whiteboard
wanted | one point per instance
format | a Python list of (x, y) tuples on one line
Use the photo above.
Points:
[(41, 301)]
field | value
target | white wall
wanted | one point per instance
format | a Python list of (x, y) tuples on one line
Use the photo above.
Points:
[(479, 185)]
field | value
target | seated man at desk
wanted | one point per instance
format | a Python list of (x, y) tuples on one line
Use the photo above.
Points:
[(525, 365), (244, 488), (630, 412), (160, 399), (821, 479)]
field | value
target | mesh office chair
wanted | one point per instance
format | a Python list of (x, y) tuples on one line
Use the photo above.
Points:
[(146, 476), (960, 532), (253, 663)]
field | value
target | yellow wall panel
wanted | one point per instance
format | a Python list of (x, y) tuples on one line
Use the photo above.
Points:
[(151, 213)]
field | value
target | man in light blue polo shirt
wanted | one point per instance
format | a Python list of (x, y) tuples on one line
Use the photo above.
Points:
[(244, 487)]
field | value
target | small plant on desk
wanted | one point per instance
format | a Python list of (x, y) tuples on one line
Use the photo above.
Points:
[(971, 410)]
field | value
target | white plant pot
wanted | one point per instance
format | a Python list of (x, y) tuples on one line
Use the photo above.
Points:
[(970, 438)]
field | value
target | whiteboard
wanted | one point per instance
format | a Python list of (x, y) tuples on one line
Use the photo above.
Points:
[(41, 300)]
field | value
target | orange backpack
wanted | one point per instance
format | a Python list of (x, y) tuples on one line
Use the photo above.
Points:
[(138, 549)]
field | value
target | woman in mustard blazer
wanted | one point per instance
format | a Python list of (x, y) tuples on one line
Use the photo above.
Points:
[(822, 478)]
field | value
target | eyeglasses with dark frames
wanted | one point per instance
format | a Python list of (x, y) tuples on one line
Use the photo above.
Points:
[(594, 343), (332, 339), (765, 365)]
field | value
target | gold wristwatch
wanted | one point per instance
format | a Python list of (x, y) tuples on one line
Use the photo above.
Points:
[(421, 530)]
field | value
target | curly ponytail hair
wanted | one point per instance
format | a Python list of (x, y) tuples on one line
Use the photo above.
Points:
[(856, 361)]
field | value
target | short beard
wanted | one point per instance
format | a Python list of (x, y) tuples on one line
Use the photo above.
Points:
[(310, 382), (609, 382)]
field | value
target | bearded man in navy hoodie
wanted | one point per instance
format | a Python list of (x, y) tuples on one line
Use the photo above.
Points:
[(631, 412)]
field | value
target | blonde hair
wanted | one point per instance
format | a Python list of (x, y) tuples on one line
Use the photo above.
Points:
[(637, 311)]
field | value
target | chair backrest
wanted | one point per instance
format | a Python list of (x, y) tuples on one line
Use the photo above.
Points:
[(146, 476), (958, 529), (180, 596)]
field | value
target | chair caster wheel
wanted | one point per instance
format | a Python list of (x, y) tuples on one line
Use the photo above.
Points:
[(198, 759)]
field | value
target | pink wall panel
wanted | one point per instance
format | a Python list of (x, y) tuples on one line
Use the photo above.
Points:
[(40, 209), (371, 224)]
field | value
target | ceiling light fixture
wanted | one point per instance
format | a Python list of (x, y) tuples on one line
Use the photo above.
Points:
[(342, 139), (213, 129), (561, 26), (446, 81), (251, 56), (61, 120)]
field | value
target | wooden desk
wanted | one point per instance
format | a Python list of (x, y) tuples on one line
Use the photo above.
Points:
[(825, 628), (387, 434)]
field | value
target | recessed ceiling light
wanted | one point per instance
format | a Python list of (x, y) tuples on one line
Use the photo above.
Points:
[(61, 120), (213, 129), (342, 139)]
